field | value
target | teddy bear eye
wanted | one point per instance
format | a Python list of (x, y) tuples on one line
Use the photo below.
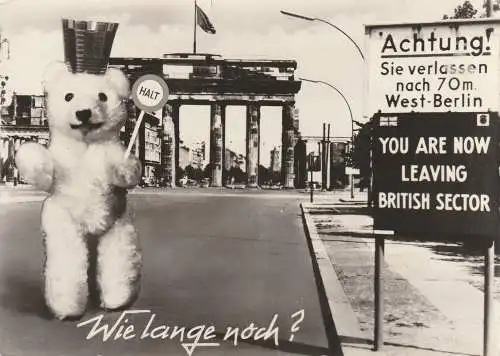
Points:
[(69, 96), (103, 97)]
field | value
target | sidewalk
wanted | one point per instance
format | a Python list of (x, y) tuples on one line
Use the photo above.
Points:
[(26, 193), (433, 304)]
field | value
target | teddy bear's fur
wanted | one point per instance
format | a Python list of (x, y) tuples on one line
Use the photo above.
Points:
[(86, 222)]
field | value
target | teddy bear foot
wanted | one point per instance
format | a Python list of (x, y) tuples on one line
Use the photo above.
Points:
[(67, 311), (67, 315), (118, 304), (69, 318)]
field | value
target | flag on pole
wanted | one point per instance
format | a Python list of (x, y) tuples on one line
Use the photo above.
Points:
[(203, 21)]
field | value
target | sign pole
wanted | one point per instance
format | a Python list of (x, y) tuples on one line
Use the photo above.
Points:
[(134, 133), (489, 273), (379, 292), (324, 168), (489, 270)]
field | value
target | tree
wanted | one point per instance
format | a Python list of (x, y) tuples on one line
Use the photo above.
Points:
[(361, 152), (464, 11), (207, 172), (238, 175), (264, 175), (189, 172)]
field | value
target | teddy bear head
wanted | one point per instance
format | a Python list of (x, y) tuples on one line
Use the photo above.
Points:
[(86, 107)]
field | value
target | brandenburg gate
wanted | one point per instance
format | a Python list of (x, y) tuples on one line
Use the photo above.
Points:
[(203, 79)]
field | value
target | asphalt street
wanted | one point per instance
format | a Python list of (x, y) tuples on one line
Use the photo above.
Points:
[(221, 260)]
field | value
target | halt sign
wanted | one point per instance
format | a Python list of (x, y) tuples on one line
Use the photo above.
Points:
[(434, 94), (150, 93)]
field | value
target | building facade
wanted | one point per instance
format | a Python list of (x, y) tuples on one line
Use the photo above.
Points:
[(24, 120), (184, 157)]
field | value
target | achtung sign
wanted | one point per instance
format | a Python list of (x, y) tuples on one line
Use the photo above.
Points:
[(436, 173), (434, 92), (435, 67)]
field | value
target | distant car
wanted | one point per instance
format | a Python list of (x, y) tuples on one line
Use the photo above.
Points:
[(205, 183), (183, 181)]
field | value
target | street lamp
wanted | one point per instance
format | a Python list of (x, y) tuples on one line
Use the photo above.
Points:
[(307, 18), (302, 17), (350, 113)]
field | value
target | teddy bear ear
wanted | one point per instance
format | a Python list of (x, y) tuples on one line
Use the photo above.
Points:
[(119, 81), (53, 73)]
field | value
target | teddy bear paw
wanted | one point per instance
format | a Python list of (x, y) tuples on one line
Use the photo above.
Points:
[(127, 174), (35, 165)]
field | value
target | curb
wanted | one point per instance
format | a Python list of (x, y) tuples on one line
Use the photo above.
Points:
[(341, 314)]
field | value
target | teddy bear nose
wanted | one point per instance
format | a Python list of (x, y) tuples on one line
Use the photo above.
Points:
[(83, 115)]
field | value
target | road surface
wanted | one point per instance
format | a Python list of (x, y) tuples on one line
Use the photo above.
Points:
[(218, 259)]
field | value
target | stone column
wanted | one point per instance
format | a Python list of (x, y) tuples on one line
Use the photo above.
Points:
[(173, 111), (288, 141), (253, 143), (300, 154), (217, 118), (169, 146)]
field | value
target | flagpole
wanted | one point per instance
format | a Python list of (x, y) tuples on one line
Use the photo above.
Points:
[(194, 36)]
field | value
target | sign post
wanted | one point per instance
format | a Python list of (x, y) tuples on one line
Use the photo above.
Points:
[(314, 166), (149, 93), (379, 292), (433, 93)]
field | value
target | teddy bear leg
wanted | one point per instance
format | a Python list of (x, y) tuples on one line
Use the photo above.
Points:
[(65, 270), (119, 263)]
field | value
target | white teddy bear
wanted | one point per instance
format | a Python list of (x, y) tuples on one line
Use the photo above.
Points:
[(86, 222)]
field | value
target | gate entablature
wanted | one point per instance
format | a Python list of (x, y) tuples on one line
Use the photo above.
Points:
[(203, 78)]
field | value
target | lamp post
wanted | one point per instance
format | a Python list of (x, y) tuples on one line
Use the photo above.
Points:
[(350, 113), (307, 18)]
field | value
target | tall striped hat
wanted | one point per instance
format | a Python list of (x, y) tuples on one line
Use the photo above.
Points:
[(87, 45)]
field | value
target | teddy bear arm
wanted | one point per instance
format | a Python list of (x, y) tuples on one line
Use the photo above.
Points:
[(35, 165), (127, 172)]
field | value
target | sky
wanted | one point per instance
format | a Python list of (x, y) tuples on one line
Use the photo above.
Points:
[(246, 29)]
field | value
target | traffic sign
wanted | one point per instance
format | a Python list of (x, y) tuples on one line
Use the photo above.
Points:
[(436, 174), (150, 92), (314, 163)]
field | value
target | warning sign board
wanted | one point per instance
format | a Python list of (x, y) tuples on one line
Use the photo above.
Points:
[(435, 67), (436, 173)]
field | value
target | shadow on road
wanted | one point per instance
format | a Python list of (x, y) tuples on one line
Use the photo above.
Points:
[(24, 296)]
